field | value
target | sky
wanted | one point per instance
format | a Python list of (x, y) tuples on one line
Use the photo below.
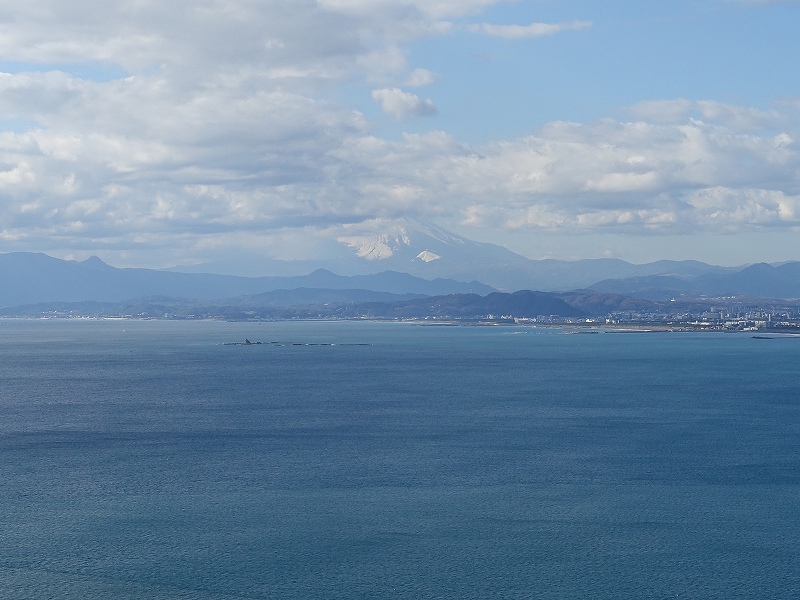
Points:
[(155, 133)]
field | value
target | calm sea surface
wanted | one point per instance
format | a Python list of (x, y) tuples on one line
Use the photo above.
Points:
[(145, 459)]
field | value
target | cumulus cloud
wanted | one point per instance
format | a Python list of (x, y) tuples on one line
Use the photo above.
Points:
[(402, 105), (527, 31), (634, 176), (214, 121)]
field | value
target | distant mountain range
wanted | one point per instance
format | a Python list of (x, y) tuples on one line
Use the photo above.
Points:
[(30, 278), (524, 303), (451, 306), (758, 281), (429, 261), (429, 251)]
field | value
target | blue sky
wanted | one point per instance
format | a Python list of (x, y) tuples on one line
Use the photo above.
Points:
[(733, 52), (154, 134)]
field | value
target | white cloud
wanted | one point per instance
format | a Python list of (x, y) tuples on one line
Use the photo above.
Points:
[(742, 118), (214, 124), (527, 31), (402, 105), (435, 9), (420, 78), (606, 175)]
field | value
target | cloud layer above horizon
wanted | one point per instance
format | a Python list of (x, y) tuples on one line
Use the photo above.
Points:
[(180, 125)]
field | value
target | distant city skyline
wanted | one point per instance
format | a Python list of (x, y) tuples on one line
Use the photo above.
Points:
[(158, 134)]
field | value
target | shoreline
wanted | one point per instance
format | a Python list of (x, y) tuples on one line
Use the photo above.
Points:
[(567, 328)]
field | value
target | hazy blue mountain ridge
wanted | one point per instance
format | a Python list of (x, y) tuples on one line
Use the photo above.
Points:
[(760, 280), (523, 303), (30, 278), (429, 251), (316, 296), (288, 305)]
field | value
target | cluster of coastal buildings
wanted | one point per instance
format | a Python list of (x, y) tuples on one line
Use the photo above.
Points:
[(714, 319)]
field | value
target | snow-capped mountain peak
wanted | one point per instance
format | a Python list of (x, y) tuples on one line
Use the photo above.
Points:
[(423, 249), (376, 247), (382, 239), (428, 256)]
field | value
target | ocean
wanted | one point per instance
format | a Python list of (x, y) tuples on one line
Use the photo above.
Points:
[(166, 460)]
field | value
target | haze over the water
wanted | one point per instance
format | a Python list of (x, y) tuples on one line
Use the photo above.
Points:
[(161, 133)]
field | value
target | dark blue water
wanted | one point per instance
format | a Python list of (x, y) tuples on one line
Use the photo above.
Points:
[(150, 460)]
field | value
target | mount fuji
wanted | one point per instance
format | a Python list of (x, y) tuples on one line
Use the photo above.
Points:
[(426, 250), (429, 251)]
